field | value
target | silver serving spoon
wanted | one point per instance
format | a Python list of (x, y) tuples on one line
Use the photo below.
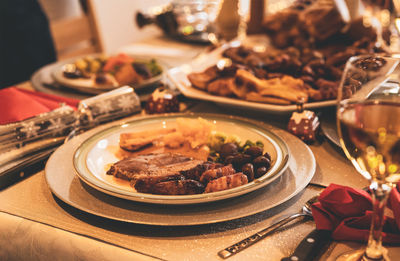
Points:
[(245, 243)]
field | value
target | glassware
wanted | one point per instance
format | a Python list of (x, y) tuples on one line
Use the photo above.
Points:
[(368, 119), (229, 21)]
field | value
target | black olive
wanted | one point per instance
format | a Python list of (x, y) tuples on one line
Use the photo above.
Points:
[(228, 149), (248, 170), (260, 171), (239, 160), (262, 161), (254, 151), (267, 155)]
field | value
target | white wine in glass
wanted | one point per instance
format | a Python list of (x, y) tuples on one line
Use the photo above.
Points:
[(368, 118)]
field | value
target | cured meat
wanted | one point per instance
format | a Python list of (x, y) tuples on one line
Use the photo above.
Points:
[(226, 182)]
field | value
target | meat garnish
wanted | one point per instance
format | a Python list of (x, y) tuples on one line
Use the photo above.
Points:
[(226, 182), (216, 173), (176, 187)]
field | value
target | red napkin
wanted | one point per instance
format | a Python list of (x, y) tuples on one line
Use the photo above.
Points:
[(18, 104), (347, 212)]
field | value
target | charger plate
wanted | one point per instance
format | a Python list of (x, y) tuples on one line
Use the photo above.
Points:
[(66, 185)]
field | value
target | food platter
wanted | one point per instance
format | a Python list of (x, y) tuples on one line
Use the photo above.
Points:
[(88, 85), (96, 154), (178, 77), (66, 186)]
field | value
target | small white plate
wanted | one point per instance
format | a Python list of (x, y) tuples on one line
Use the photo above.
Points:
[(178, 76), (89, 86), (94, 156)]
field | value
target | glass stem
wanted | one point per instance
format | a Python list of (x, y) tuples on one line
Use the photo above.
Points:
[(380, 193)]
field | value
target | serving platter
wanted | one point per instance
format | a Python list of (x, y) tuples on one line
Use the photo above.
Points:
[(96, 154), (88, 85), (178, 77), (68, 187)]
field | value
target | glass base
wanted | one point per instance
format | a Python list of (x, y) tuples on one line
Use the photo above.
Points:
[(358, 255)]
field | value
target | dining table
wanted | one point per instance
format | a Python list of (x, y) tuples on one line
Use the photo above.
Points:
[(37, 224)]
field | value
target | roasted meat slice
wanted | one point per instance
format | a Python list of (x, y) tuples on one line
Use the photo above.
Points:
[(201, 79), (222, 87), (176, 187), (146, 184), (226, 182), (216, 173), (152, 165), (237, 54), (196, 172)]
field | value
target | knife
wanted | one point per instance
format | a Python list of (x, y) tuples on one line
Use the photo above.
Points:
[(311, 246)]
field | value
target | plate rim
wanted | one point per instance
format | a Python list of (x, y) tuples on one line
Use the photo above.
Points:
[(56, 74), (277, 170)]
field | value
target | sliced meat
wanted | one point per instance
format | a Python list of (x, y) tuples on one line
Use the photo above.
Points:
[(226, 182), (152, 165), (216, 173), (201, 79), (177, 187), (222, 87), (146, 184), (196, 172)]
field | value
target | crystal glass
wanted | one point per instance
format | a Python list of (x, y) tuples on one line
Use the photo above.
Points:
[(368, 119)]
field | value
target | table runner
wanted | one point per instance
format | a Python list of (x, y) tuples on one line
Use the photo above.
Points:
[(32, 199)]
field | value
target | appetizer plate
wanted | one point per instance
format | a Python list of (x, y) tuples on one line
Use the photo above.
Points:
[(178, 76), (96, 154), (88, 85)]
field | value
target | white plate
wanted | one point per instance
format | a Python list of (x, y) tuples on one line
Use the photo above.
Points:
[(65, 185), (95, 155), (179, 74), (88, 85)]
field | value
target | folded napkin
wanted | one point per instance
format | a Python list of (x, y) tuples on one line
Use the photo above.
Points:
[(18, 104), (347, 212)]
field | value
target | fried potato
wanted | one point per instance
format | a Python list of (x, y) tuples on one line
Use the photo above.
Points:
[(287, 87)]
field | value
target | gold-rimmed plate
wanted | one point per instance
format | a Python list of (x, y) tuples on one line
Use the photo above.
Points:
[(93, 157)]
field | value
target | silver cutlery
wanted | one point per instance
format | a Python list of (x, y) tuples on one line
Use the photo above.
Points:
[(311, 246), (251, 240)]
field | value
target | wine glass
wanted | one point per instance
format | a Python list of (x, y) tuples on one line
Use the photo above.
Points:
[(368, 119)]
